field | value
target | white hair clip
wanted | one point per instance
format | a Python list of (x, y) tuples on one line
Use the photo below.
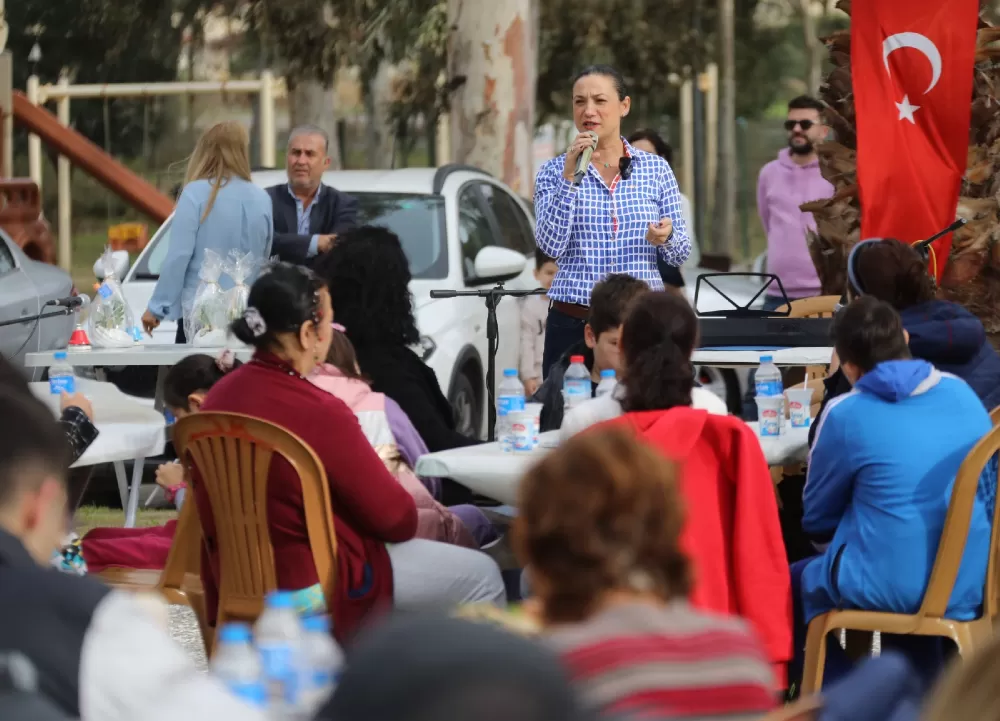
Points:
[(255, 321)]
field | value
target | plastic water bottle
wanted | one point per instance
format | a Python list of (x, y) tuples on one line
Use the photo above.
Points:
[(61, 375), (607, 385), (510, 399), (767, 384), (322, 661), (576, 383), (279, 639), (237, 664)]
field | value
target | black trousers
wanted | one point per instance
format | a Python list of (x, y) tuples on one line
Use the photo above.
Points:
[(181, 338), (561, 333)]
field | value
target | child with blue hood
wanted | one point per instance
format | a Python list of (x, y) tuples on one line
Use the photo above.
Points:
[(879, 482)]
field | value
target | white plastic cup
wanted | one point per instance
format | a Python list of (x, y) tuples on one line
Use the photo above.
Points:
[(523, 430), (535, 411), (769, 415), (799, 401)]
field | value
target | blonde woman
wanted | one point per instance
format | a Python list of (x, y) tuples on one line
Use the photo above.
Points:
[(220, 209)]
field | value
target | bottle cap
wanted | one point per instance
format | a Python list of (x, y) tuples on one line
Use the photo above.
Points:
[(280, 599), (576, 359), (61, 355), (767, 359), (316, 624), (608, 373), (510, 372), (235, 633)]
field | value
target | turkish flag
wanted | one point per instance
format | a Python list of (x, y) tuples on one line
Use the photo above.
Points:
[(912, 69)]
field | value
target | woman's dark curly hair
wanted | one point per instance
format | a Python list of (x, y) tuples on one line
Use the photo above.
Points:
[(657, 340), (369, 280), (601, 513)]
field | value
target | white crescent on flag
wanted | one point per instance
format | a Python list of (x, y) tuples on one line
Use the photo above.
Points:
[(929, 50)]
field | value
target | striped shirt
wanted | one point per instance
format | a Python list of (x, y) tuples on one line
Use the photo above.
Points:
[(595, 230), (641, 661)]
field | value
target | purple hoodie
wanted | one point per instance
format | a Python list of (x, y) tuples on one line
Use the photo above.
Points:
[(782, 187)]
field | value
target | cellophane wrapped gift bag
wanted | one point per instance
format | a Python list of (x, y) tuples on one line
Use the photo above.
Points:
[(206, 321), (111, 320), (241, 267)]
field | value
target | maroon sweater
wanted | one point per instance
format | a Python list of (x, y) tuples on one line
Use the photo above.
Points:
[(370, 508)]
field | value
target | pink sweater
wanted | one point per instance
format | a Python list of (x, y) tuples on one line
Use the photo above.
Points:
[(434, 521)]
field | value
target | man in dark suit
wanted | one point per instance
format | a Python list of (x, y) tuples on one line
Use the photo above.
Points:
[(308, 216)]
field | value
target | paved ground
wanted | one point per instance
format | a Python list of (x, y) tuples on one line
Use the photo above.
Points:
[(184, 628)]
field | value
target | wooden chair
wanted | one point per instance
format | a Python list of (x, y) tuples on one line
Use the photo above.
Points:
[(805, 709), (820, 306), (929, 620), (180, 579), (995, 416), (230, 455)]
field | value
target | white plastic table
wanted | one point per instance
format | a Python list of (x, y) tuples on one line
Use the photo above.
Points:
[(130, 429), (488, 471), (161, 356), (740, 358)]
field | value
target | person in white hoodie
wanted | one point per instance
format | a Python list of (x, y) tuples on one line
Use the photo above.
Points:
[(607, 407)]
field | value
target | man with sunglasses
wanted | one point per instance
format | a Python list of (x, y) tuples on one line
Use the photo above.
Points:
[(784, 184)]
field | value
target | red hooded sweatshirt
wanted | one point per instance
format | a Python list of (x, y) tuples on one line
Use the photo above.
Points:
[(732, 533)]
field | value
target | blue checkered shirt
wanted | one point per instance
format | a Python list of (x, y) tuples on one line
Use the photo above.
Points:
[(593, 231)]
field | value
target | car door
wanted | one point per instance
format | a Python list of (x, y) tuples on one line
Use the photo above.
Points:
[(508, 229), (18, 302)]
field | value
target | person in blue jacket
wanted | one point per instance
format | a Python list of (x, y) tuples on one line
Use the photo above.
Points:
[(880, 477), (941, 332)]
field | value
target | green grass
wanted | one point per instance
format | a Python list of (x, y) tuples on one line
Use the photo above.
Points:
[(87, 248), (88, 517)]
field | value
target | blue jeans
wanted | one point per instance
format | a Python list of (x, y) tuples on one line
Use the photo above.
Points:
[(926, 653)]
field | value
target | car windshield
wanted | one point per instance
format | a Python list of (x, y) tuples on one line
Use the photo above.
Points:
[(418, 220)]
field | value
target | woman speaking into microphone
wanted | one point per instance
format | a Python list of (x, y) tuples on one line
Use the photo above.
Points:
[(614, 217)]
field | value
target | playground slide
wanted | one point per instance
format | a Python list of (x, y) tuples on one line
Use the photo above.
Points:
[(132, 188)]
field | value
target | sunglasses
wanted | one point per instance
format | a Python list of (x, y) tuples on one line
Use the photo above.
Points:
[(804, 124)]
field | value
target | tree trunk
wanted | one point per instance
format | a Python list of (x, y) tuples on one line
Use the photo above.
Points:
[(724, 219), (815, 50), (380, 135), (494, 47), (310, 103)]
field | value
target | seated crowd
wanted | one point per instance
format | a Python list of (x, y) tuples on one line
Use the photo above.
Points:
[(661, 585)]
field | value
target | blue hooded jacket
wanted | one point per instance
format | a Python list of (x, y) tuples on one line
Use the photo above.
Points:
[(879, 482), (954, 341)]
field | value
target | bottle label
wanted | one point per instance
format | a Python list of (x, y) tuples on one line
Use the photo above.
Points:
[(279, 669), (768, 388), (253, 693), (58, 384), (509, 404)]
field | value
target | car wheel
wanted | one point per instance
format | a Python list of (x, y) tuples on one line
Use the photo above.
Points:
[(465, 405), (723, 383)]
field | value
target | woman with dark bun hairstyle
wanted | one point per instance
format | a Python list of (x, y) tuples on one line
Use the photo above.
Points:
[(733, 533), (288, 321)]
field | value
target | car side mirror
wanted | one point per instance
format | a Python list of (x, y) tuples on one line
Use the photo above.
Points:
[(495, 264), (119, 262)]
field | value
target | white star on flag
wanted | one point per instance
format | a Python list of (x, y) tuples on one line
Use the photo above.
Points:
[(906, 109)]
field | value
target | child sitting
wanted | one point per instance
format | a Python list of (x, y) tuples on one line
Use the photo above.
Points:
[(534, 312), (608, 303), (184, 389), (398, 444)]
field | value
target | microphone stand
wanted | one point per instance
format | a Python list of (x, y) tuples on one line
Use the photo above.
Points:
[(41, 316), (492, 296)]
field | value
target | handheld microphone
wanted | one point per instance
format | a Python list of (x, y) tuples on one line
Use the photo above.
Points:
[(584, 160), (73, 301)]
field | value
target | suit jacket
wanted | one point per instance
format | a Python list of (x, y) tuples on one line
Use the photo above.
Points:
[(331, 213)]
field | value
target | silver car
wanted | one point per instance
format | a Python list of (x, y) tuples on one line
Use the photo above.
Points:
[(25, 287)]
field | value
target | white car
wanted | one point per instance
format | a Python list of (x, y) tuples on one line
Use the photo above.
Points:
[(461, 230)]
